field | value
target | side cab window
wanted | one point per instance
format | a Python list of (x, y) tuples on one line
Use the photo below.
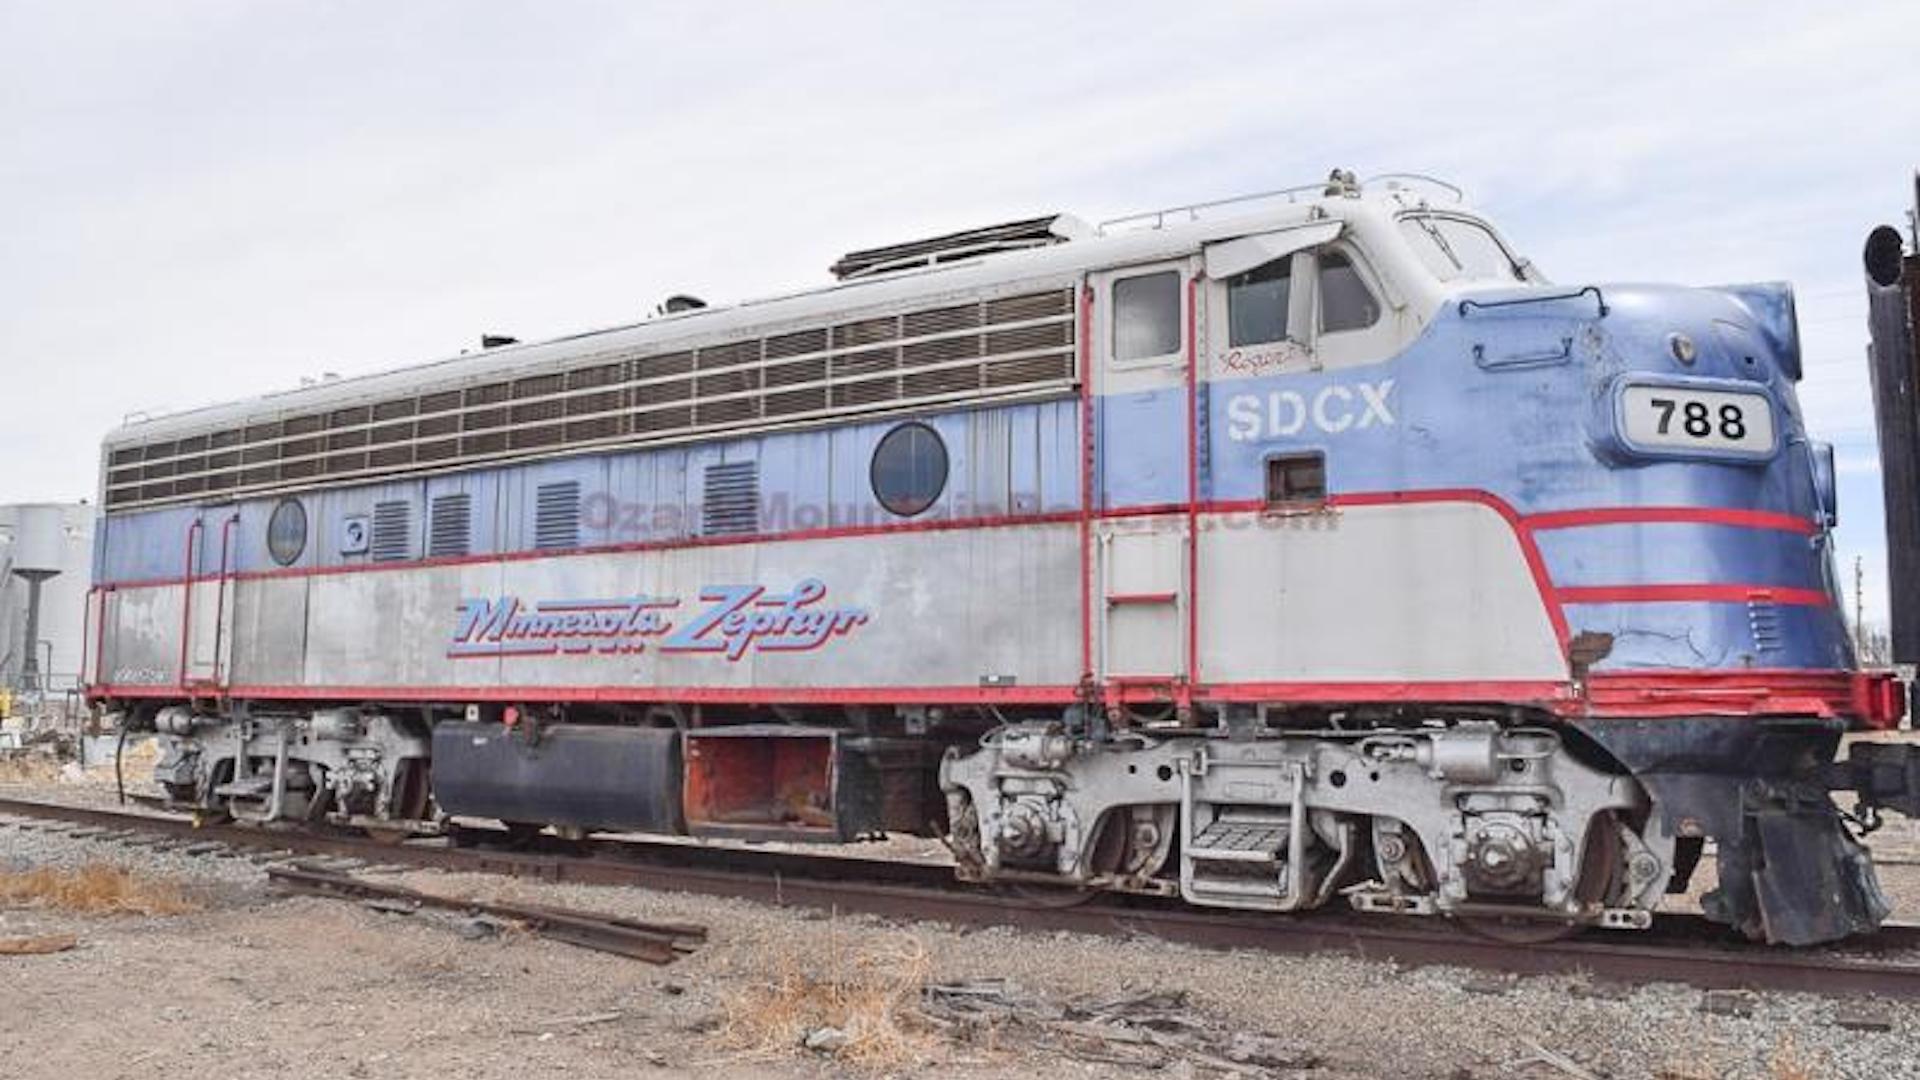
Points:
[(1148, 318), (1312, 309)]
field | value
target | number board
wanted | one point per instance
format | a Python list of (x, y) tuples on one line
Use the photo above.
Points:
[(1688, 418)]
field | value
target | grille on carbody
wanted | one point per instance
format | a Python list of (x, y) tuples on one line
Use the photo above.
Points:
[(392, 531), (1763, 617), (730, 504), (450, 526), (1020, 344), (556, 516)]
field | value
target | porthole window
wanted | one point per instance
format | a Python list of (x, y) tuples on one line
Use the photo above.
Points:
[(909, 469), (287, 532)]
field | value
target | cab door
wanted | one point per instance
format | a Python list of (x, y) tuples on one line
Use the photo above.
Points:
[(1142, 349)]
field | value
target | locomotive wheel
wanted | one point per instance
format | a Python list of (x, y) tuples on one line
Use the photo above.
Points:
[(1599, 871), (411, 794)]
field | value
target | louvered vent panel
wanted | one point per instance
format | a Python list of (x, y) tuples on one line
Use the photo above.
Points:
[(556, 516), (533, 424), (1037, 369), (730, 500), (1015, 344), (940, 381), (450, 526), (795, 360), (392, 531), (191, 466), (940, 320), (300, 450), (484, 429), (602, 409), (347, 433), (865, 378), (727, 388), (945, 373), (1031, 306), (437, 450), (440, 416), (662, 382)]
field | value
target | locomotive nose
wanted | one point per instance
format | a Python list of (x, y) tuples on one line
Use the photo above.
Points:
[(1770, 307)]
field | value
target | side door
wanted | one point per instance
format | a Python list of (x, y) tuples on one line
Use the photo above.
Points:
[(206, 616), (1142, 349)]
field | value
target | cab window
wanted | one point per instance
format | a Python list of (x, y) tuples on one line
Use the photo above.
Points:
[(1455, 249), (1345, 302), (1257, 303)]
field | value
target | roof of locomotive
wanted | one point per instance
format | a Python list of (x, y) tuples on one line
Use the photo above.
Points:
[(1121, 242)]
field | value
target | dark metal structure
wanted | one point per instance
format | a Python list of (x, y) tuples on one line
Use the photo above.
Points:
[(1893, 294)]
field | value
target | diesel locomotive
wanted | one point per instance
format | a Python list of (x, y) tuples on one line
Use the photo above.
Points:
[(1299, 549)]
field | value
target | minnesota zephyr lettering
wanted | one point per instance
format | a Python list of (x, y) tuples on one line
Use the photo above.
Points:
[(735, 620), (504, 627), (745, 616)]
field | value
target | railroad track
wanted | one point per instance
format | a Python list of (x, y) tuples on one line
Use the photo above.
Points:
[(1680, 948)]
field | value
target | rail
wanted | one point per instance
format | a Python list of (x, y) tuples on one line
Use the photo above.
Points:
[(1679, 948)]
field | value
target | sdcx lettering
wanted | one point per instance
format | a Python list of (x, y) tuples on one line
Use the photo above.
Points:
[(1331, 410)]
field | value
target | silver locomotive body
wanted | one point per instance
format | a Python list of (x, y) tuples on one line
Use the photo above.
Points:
[(1316, 551)]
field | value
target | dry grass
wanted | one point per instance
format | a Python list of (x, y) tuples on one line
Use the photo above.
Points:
[(1787, 1064), (28, 768), (872, 993), (94, 889), (1784, 1064)]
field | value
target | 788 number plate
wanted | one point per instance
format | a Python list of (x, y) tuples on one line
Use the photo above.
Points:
[(1685, 418)]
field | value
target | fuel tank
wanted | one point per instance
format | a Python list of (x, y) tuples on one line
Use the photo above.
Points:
[(615, 778)]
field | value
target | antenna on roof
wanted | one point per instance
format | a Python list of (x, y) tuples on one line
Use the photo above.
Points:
[(494, 341)]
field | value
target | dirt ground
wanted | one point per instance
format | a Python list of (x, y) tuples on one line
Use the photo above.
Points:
[(256, 984)]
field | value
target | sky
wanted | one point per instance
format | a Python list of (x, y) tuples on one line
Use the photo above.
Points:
[(202, 200)]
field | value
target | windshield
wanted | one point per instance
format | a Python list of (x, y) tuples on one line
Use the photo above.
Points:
[(1456, 249)]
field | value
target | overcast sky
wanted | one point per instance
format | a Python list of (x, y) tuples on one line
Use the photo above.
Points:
[(200, 201)]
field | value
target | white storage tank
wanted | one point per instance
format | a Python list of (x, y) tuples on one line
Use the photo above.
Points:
[(46, 555)]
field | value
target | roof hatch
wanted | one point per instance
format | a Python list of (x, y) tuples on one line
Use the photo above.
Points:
[(1010, 236)]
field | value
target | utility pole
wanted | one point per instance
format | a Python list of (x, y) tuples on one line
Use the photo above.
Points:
[(1859, 611)]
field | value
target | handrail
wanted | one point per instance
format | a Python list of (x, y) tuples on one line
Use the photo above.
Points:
[(1333, 185), (194, 529), (1515, 301), (86, 634), (220, 592), (100, 638), (1191, 210)]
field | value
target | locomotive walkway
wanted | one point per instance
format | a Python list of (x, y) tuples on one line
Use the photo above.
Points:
[(1680, 948)]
